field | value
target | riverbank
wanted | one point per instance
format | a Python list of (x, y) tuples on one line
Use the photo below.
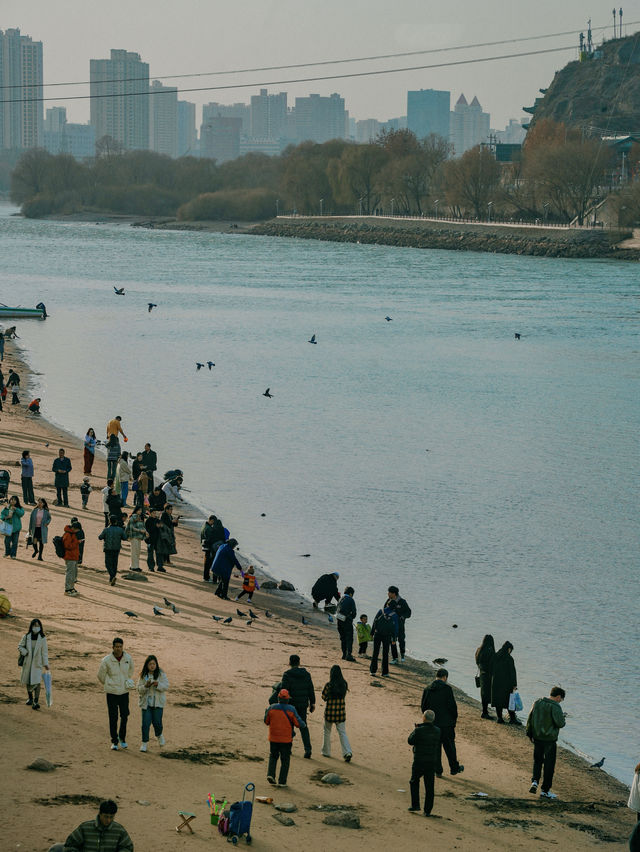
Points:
[(221, 678), (455, 236)]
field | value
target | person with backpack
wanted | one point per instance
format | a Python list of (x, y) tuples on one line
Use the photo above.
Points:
[(543, 726), (34, 656), (383, 632), (80, 536), (61, 467), (345, 615), (335, 713), (112, 536), (71, 547), (281, 718), (403, 612), (299, 684)]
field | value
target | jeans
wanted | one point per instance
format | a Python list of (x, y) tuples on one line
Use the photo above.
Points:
[(118, 704), (282, 751), (448, 743), (427, 771), (11, 543), (71, 575), (124, 492), (345, 629), (544, 754), (304, 732), (401, 636), (152, 552), (151, 716), (111, 562), (27, 490), (62, 495), (136, 544), (111, 468), (385, 641), (342, 733)]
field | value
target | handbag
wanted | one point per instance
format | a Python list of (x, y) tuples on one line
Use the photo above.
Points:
[(20, 659), (6, 528), (478, 681), (515, 702)]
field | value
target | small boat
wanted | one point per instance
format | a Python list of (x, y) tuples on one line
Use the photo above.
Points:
[(39, 312)]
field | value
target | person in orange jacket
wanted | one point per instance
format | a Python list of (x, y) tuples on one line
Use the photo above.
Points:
[(71, 556), (114, 427), (281, 719), (249, 584)]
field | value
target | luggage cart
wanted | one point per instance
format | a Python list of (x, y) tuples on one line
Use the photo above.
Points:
[(240, 814)]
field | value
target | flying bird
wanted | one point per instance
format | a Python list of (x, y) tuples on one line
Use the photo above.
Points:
[(455, 626), (440, 661), (304, 620), (306, 555), (268, 614), (228, 620), (151, 306), (157, 611), (388, 319), (210, 364), (313, 339), (268, 393), (199, 366), (216, 617), (241, 613), (167, 602), (175, 609), (263, 515), (598, 765), (250, 622), (119, 292), (130, 614), (517, 336), (252, 613)]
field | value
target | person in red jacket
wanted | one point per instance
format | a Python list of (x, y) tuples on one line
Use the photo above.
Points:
[(71, 557), (281, 718)]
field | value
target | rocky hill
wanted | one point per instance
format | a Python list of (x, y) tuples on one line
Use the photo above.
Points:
[(600, 92)]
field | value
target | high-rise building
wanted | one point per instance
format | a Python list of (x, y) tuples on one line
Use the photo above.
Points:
[(469, 126), (367, 130), (320, 119), (119, 90), (513, 134), (62, 137), (220, 138), (187, 134), (241, 111), (428, 112), (268, 118), (163, 119), (21, 123)]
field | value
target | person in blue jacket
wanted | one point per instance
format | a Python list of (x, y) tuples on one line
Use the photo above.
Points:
[(223, 564)]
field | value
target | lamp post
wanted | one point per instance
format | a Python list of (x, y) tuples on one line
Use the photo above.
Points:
[(277, 207), (545, 207), (435, 204), (321, 203), (489, 206), (392, 203), (361, 200)]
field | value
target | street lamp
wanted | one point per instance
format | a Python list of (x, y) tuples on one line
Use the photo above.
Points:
[(545, 207), (435, 203), (321, 203), (361, 200), (489, 206), (277, 207), (392, 203)]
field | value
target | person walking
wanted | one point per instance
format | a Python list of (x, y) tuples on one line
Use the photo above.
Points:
[(152, 698), (335, 712), (102, 833), (325, 588), (113, 454), (403, 612), (26, 479), (61, 467), (249, 584), (12, 516), (299, 684), (152, 527), (112, 536), (425, 739), (71, 558), (439, 697), (34, 654), (543, 725), (503, 682), (90, 442), (80, 536), (345, 615), (485, 655), (116, 675), (123, 477), (223, 564), (136, 533), (211, 538), (383, 632), (281, 718), (363, 630), (39, 521)]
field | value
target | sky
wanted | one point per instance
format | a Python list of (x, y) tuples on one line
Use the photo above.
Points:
[(196, 36)]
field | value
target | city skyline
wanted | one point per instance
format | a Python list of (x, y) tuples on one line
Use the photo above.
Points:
[(199, 39)]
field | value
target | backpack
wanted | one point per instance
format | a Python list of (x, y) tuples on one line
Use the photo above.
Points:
[(58, 546), (223, 823)]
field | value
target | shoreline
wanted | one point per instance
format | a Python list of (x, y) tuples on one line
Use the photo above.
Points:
[(480, 744)]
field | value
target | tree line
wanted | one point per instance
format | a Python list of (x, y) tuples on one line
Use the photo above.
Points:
[(558, 177)]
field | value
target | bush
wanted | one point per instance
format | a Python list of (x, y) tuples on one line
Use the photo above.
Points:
[(243, 204), (146, 200), (38, 206)]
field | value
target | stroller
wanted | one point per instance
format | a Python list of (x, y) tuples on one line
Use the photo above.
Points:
[(5, 479), (240, 814)]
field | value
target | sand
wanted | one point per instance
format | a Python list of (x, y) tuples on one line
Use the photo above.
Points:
[(221, 677)]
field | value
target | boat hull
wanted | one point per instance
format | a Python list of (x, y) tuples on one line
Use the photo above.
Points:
[(21, 313)]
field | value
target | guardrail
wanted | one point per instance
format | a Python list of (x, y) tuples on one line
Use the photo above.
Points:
[(512, 223)]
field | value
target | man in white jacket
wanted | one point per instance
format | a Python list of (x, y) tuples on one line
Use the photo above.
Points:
[(116, 674)]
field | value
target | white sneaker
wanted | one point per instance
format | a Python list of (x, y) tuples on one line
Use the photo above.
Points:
[(548, 795), (114, 746), (123, 745), (161, 740), (393, 662), (143, 747)]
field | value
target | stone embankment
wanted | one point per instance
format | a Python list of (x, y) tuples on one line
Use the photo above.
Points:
[(457, 236)]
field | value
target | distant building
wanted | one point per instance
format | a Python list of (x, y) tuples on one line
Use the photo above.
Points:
[(119, 89), (241, 111), (220, 138), (513, 134), (187, 134), (61, 137), (80, 141), (253, 145), (395, 124), (469, 125), (163, 119), (428, 112), (320, 119), (21, 121), (268, 117), (367, 130)]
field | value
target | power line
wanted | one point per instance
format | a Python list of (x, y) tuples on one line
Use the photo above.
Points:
[(321, 63), (259, 84)]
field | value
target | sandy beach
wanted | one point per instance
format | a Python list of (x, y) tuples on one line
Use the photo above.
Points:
[(220, 682)]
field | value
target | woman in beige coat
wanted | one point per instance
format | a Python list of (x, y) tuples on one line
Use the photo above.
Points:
[(35, 657)]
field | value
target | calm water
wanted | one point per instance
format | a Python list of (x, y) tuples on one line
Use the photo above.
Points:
[(494, 481)]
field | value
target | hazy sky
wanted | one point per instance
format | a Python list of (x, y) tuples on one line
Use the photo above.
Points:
[(190, 36)]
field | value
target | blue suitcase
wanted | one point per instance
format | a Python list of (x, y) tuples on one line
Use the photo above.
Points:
[(240, 814)]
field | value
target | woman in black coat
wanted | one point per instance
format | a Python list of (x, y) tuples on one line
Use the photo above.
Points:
[(484, 660), (503, 682)]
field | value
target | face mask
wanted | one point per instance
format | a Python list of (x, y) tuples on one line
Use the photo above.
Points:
[(35, 629)]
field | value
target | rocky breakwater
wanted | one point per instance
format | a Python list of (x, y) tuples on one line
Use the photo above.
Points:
[(456, 236)]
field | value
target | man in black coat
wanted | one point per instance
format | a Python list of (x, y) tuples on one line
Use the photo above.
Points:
[(302, 695), (325, 587), (383, 633), (403, 611), (211, 536), (439, 698), (149, 460), (345, 616), (425, 739)]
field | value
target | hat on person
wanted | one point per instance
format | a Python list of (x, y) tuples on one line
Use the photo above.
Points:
[(429, 716), (85, 479), (284, 693), (335, 574)]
